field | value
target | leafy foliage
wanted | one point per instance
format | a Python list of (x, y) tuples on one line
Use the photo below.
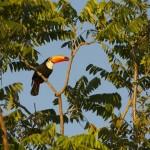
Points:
[(11, 95), (123, 136), (17, 66), (44, 117), (31, 24), (36, 129), (46, 140), (67, 11), (42, 139), (74, 44), (80, 98), (117, 27), (83, 142), (119, 77)]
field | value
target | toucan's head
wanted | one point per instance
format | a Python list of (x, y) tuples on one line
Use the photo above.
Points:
[(55, 59), (58, 58)]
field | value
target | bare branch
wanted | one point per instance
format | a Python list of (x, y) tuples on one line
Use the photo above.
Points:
[(73, 53), (67, 77), (61, 115)]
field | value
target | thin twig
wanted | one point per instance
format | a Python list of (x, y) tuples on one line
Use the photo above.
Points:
[(4, 132), (126, 109), (24, 108), (34, 107), (86, 43)]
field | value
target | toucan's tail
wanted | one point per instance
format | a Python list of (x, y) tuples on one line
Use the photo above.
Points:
[(35, 88)]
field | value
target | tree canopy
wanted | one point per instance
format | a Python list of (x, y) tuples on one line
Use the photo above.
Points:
[(122, 30)]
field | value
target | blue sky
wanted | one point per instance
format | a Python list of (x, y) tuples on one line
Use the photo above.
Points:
[(86, 55)]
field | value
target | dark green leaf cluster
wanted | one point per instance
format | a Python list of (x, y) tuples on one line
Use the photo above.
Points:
[(119, 136), (44, 117), (67, 11), (74, 44), (33, 130), (18, 66), (119, 77), (10, 95), (81, 99)]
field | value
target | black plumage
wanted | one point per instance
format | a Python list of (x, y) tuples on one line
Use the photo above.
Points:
[(45, 69), (37, 80)]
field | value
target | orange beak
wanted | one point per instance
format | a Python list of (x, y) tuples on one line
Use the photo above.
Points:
[(58, 58)]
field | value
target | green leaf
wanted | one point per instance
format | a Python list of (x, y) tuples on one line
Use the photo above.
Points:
[(92, 85), (10, 94)]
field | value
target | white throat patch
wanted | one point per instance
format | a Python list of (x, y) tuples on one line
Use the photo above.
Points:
[(49, 65)]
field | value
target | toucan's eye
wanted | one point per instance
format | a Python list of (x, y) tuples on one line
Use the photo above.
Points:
[(49, 59)]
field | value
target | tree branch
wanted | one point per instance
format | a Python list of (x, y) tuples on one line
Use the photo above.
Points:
[(126, 109), (61, 115), (67, 77), (86, 43), (122, 116), (134, 100), (4, 132), (73, 53)]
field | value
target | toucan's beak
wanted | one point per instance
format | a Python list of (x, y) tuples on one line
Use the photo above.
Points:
[(59, 58)]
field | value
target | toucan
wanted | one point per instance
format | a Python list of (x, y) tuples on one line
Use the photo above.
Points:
[(46, 68)]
